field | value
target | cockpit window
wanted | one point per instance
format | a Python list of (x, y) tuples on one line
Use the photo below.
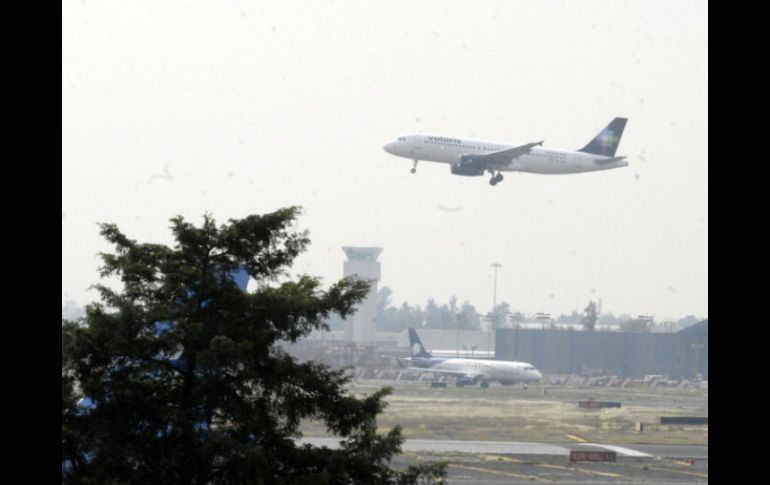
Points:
[(401, 138)]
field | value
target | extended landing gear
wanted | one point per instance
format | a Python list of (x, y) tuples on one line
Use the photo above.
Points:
[(484, 384), (414, 167), (496, 179)]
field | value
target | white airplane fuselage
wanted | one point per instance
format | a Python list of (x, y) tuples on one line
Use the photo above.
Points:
[(540, 160), (479, 371), (490, 370)]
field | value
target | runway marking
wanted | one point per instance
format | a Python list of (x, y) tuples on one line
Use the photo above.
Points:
[(683, 463), (577, 438), (621, 450), (497, 472), (584, 470), (560, 467), (671, 470), (702, 475)]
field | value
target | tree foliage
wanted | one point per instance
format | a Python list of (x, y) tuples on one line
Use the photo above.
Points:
[(468, 318), (635, 325), (396, 319), (499, 315), (592, 315), (177, 377)]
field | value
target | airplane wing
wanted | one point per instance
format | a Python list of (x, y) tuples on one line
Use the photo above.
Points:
[(609, 160), (478, 164), (504, 156)]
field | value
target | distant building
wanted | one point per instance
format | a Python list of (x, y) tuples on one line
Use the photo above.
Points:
[(362, 263), (683, 354)]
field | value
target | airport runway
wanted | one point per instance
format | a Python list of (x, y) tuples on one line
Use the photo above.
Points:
[(541, 449), (675, 451), (511, 462)]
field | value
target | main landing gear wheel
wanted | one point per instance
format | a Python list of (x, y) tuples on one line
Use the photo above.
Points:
[(484, 384), (414, 167), (496, 179)]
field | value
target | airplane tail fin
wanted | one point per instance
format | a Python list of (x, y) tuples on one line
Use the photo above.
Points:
[(607, 141), (416, 346)]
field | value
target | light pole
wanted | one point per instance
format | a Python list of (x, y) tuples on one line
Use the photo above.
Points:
[(696, 347), (543, 317), (494, 290), (493, 322)]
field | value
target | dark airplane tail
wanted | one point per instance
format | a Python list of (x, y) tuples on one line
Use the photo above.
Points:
[(607, 141), (416, 346)]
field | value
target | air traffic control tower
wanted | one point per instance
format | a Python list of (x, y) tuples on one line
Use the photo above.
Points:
[(362, 262)]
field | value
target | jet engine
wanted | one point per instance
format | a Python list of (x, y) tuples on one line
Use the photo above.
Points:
[(469, 165)]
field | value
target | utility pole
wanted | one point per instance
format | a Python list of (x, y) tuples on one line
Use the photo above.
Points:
[(494, 294), (494, 315), (542, 317), (648, 321), (494, 291)]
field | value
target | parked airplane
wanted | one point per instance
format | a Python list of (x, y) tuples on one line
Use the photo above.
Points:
[(471, 371), (474, 157)]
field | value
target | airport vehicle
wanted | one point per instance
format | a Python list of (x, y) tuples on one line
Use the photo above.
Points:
[(471, 371), (475, 157)]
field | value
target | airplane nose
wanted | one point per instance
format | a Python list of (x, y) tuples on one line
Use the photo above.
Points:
[(389, 147)]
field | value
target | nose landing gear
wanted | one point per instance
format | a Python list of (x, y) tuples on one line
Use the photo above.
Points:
[(414, 167)]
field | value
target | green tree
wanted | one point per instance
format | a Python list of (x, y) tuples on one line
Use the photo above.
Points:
[(688, 320), (499, 315), (383, 299), (573, 318), (517, 317), (453, 311), (468, 318), (177, 378), (409, 317), (592, 315), (635, 325), (432, 314)]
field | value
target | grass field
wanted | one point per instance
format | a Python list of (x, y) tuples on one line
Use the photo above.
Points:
[(512, 414)]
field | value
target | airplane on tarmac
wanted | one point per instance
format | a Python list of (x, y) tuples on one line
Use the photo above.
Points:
[(474, 157), (471, 371)]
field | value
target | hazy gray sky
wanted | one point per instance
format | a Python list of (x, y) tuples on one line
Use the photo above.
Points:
[(236, 108)]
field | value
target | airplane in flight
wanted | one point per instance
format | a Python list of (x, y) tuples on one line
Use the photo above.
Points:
[(474, 157), (471, 371)]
